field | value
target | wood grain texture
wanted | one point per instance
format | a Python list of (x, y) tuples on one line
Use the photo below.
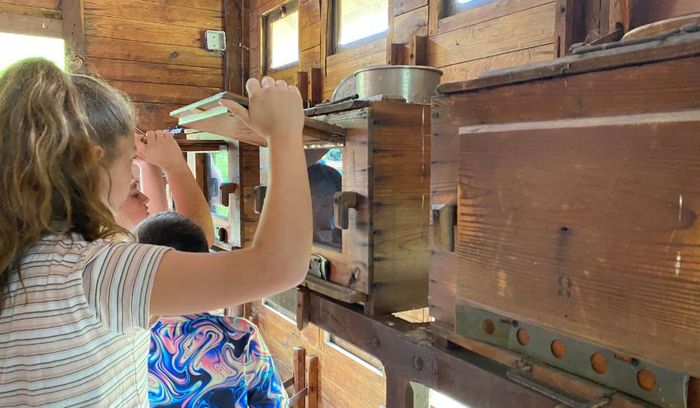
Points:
[(146, 32), (144, 11), (410, 24), (671, 8), (526, 29), (31, 25), (163, 93), (41, 4), (120, 70), (214, 5), (587, 228), (28, 10), (154, 116), (137, 51), (489, 11), (473, 69), (404, 6)]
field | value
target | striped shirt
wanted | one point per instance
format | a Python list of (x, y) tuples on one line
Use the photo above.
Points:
[(77, 333)]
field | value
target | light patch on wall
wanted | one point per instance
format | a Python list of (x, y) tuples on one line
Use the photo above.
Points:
[(361, 19), (16, 47), (284, 34)]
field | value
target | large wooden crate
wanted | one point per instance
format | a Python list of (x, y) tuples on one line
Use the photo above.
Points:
[(566, 194)]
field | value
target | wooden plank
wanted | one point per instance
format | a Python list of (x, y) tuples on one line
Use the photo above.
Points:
[(234, 57), (417, 55), (671, 8), (565, 21), (694, 393), (312, 381), (526, 29), (588, 259), (309, 13), (300, 374), (473, 69), (310, 36), (326, 36), (31, 25), (137, 51), (399, 190), (303, 85), (316, 85), (411, 24), (163, 93), (157, 73), (74, 33), (144, 11), (310, 58), (397, 54), (108, 27), (486, 12), (215, 5), (21, 10), (154, 116), (289, 75), (355, 52), (433, 17), (41, 4), (404, 6)]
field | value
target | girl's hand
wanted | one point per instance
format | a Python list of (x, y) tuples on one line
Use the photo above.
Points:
[(160, 149), (275, 109)]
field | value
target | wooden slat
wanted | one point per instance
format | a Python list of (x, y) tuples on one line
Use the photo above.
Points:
[(215, 5), (235, 57), (310, 36), (146, 32), (489, 11), (404, 6), (417, 54), (336, 73), (30, 25), (289, 75), (671, 8), (41, 4), (143, 11), (526, 29), (472, 69), (137, 51), (410, 24), (74, 33), (154, 116), (316, 85), (303, 84), (433, 17), (309, 13), (163, 93), (21, 10), (312, 381), (300, 374), (587, 227), (157, 73)]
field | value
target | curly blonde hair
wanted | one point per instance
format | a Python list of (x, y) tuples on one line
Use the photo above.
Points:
[(50, 176)]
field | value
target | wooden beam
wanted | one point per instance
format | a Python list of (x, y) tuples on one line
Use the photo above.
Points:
[(302, 312), (397, 55), (312, 382), (74, 34), (316, 85), (398, 391), (31, 25), (433, 17), (299, 356), (418, 55), (303, 85), (234, 71)]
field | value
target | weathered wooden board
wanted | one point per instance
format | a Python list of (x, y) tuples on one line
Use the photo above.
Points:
[(404, 6), (120, 70), (164, 93), (526, 29), (153, 116), (412, 23), (146, 32), (41, 4), (671, 8), (137, 51), (31, 11), (195, 4), (588, 227), (473, 69), (145, 11), (488, 11), (309, 36)]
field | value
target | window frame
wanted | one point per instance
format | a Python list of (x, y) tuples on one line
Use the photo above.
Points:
[(345, 348), (335, 47), (266, 19)]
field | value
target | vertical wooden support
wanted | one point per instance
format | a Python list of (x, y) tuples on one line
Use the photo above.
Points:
[(303, 85), (299, 356), (418, 54), (234, 59), (74, 34), (326, 38), (563, 27), (694, 393), (393, 54), (399, 393), (312, 382), (433, 17), (302, 312), (397, 54), (620, 15), (316, 85)]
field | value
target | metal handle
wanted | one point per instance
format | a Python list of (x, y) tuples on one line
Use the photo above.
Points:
[(343, 201), (519, 376), (259, 192), (444, 221), (226, 189)]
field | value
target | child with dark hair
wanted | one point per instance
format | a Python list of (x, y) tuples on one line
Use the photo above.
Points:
[(204, 359)]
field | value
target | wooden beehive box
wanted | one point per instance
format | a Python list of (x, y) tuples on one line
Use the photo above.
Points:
[(565, 195), (383, 259)]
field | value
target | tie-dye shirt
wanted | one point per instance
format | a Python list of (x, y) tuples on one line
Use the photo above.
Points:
[(205, 360)]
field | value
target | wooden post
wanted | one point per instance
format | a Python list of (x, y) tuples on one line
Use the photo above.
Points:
[(299, 356), (302, 312), (303, 85), (620, 15), (399, 393), (234, 74), (569, 25), (316, 84), (397, 54), (433, 17), (418, 54), (74, 34), (312, 382)]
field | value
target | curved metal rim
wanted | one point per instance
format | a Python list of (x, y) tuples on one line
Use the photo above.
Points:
[(411, 67)]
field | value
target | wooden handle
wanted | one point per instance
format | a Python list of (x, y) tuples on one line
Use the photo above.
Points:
[(226, 189), (343, 201)]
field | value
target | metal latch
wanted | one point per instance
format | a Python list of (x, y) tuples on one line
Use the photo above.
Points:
[(319, 267), (444, 221), (343, 201)]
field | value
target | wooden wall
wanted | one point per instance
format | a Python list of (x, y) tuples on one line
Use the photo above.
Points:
[(153, 50)]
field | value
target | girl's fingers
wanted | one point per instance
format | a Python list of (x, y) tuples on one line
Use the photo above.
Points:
[(252, 86), (281, 84), (268, 82)]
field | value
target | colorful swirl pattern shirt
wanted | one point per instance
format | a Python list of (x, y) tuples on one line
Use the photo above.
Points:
[(207, 361)]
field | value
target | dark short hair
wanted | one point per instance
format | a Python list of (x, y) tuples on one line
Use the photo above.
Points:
[(172, 230)]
